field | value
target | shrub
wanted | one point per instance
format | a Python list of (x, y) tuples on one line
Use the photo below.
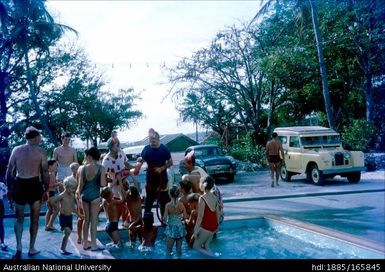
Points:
[(244, 150), (370, 162), (80, 155), (358, 135)]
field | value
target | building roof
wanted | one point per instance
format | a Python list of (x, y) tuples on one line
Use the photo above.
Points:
[(137, 149), (169, 140)]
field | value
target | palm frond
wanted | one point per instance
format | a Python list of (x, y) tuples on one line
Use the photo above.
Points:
[(263, 10)]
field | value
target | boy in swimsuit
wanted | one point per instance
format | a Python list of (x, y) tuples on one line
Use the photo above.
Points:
[(185, 189), (52, 212), (148, 232), (67, 206), (190, 222), (110, 206), (134, 204), (74, 168)]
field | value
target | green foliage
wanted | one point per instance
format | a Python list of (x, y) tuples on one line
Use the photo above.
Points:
[(280, 56), (244, 150), (358, 135), (213, 140), (80, 155)]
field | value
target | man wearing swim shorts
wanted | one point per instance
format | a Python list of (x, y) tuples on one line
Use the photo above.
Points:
[(26, 164), (274, 157)]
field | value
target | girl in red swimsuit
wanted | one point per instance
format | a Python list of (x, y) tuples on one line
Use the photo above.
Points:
[(208, 218)]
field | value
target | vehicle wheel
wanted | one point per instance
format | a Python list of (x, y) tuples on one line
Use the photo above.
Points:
[(316, 176), (354, 177), (285, 175)]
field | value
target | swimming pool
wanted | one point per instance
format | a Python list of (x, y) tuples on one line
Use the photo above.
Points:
[(268, 237)]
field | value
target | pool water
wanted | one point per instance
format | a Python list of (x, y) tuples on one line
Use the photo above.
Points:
[(254, 239)]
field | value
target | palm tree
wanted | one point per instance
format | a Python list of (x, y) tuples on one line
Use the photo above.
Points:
[(318, 37), (32, 29)]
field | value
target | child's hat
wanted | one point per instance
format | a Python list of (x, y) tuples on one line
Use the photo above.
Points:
[(188, 157)]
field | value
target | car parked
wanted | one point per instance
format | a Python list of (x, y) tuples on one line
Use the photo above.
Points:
[(213, 160), (318, 152)]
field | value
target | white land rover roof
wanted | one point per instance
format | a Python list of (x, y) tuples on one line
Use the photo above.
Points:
[(305, 130)]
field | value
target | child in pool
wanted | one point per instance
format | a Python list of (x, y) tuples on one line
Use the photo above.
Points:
[(190, 222), (175, 213), (148, 232), (110, 205), (134, 204)]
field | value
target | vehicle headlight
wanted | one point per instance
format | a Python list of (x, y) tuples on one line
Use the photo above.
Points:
[(347, 155), (326, 160)]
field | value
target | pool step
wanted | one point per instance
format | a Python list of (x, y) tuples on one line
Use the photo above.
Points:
[(88, 254)]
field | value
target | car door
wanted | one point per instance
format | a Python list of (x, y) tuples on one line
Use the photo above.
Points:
[(293, 154)]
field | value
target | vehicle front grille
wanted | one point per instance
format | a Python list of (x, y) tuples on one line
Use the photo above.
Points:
[(218, 169), (339, 158)]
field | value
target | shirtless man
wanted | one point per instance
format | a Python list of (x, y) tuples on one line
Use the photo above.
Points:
[(23, 172), (64, 155), (274, 157)]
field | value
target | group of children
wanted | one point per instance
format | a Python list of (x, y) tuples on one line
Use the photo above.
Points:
[(61, 201), (180, 217), (124, 202)]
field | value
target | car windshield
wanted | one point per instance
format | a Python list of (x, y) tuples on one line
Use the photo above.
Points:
[(321, 140), (208, 152)]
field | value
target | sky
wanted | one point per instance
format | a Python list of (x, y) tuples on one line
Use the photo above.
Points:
[(131, 40)]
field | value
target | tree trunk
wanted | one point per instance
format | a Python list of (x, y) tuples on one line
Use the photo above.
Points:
[(369, 97), (196, 131), (34, 99), (271, 109), (325, 87), (4, 129)]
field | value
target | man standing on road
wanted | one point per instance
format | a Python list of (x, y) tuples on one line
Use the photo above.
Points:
[(158, 159), (64, 155), (26, 164), (274, 156)]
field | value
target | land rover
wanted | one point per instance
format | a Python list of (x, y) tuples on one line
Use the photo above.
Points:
[(318, 152)]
